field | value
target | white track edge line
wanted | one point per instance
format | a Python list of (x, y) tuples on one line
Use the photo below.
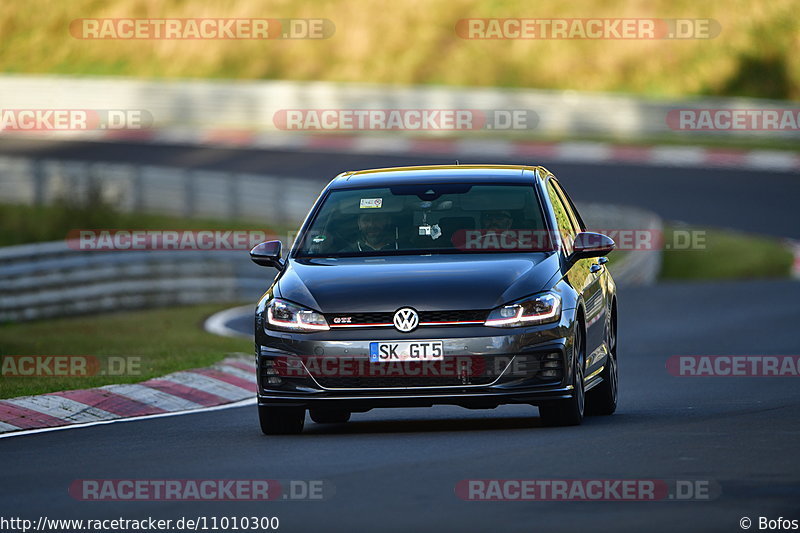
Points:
[(232, 405), (216, 323)]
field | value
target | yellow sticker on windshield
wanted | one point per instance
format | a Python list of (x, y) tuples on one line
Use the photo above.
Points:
[(371, 203)]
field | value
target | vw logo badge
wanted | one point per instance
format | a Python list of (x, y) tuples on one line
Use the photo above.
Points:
[(406, 319)]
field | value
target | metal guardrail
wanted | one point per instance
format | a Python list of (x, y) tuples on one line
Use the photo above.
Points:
[(635, 267), (169, 190), (252, 105), (51, 279)]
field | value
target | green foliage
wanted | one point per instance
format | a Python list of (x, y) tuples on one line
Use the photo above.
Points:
[(166, 340), (727, 255), (414, 42)]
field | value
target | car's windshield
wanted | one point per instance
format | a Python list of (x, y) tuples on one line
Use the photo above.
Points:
[(440, 218)]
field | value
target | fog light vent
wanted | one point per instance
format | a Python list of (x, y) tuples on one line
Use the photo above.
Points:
[(550, 373), (269, 373)]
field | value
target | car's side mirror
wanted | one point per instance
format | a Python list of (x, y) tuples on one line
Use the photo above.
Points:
[(267, 254), (588, 244)]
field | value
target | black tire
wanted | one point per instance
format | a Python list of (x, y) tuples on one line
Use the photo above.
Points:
[(602, 400), (329, 416), (281, 420), (569, 412)]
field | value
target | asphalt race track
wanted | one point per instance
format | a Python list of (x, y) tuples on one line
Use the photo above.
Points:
[(396, 470)]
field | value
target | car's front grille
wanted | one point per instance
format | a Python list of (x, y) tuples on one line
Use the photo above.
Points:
[(453, 316), (449, 372), (389, 382), (453, 371), (382, 382), (426, 318)]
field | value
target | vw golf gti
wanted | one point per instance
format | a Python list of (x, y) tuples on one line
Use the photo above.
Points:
[(469, 285)]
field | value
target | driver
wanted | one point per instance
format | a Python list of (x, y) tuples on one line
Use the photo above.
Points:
[(375, 233), (496, 231), (496, 220)]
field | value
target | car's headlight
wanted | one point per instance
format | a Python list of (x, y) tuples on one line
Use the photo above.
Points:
[(288, 316), (540, 309)]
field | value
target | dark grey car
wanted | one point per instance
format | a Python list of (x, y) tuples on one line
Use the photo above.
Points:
[(466, 285)]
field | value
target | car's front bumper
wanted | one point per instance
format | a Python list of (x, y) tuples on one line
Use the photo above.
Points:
[(474, 399), (327, 369)]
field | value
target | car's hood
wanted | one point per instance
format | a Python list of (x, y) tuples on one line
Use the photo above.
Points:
[(428, 283)]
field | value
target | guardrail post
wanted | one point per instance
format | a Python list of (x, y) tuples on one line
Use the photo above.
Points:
[(92, 190), (189, 193), (278, 201), (39, 182), (137, 189), (234, 199)]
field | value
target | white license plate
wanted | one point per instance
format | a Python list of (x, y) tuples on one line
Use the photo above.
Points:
[(386, 352)]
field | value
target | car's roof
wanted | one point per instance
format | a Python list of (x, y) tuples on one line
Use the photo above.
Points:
[(437, 174)]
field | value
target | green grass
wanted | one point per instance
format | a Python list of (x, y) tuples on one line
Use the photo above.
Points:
[(727, 255), (414, 42), (166, 340)]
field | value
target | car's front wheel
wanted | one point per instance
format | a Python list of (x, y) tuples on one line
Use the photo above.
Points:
[(602, 400), (569, 412), (281, 420)]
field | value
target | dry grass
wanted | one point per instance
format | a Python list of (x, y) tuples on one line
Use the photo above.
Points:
[(414, 42)]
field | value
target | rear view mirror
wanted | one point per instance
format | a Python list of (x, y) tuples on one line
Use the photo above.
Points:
[(267, 254), (588, 244)]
